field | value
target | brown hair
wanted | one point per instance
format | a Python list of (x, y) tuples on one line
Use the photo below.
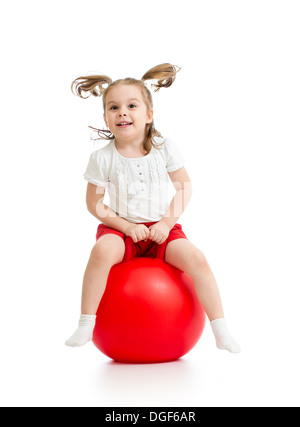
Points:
[(165, 75)]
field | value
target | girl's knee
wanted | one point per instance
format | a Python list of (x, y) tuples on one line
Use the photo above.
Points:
[(185, 256), (198, 259), (109, 252)]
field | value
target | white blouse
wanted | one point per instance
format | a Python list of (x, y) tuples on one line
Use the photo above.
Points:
[(137, 187)]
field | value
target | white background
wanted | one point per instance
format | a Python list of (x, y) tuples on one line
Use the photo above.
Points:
[(234, 111)]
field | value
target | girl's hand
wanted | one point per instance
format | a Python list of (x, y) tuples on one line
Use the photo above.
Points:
[(159, 232), (138, 232)]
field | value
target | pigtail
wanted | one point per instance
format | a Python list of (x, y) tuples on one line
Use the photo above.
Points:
[(90, 85), (164, 73)]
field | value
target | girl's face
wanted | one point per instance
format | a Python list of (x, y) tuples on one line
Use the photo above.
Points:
[(126, 113)]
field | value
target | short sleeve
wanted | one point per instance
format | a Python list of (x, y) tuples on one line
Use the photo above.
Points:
[(174, 158), (96, 171)]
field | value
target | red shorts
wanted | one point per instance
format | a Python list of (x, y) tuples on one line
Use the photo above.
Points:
[(148, 248)]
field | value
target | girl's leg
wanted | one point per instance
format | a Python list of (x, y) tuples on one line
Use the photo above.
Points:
[(181, 253), (108, 251)]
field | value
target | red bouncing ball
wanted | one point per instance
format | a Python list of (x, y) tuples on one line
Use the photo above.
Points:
[(149, 312)]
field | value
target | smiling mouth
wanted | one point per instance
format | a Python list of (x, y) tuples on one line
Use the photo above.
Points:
[(124, 124)]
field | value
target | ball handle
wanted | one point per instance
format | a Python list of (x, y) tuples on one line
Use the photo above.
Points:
[(129, 245)]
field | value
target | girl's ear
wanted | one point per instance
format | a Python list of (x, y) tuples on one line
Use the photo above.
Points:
[(150, 116), (105, 119)]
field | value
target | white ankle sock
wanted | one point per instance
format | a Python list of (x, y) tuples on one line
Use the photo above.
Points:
[(223, 337), (84, 332)]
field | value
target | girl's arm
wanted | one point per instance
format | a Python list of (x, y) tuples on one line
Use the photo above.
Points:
[(183, 187), (95, 205), (159, 232)]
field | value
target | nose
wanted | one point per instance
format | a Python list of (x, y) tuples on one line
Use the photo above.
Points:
[(122, 112)]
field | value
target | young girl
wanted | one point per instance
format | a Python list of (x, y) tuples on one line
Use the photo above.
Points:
[(134, 168)]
